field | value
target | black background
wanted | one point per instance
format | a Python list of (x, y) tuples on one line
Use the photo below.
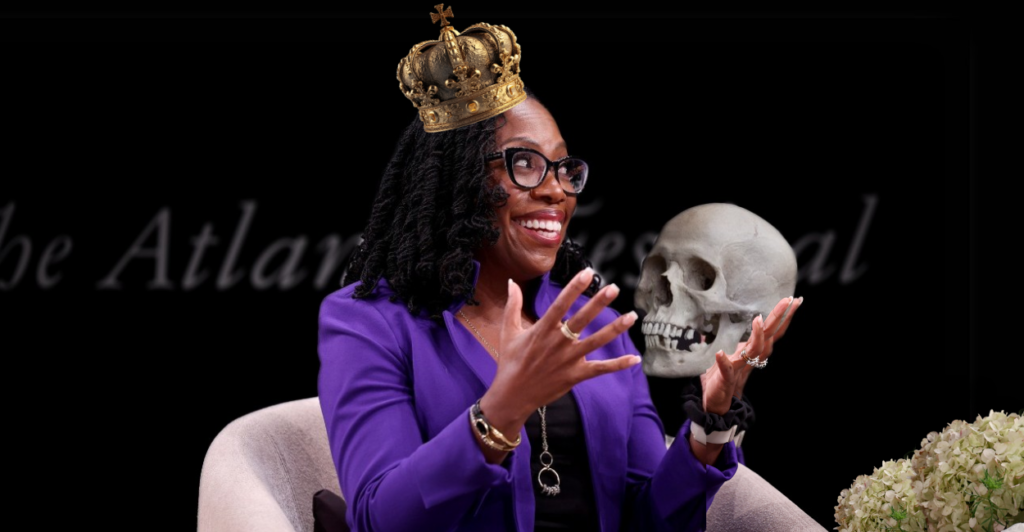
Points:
[(800, 117)]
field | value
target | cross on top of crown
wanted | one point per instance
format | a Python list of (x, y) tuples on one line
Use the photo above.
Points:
[(440, 15)]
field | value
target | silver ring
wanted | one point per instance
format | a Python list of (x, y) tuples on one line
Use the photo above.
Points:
[(756, 362), (568, 333)]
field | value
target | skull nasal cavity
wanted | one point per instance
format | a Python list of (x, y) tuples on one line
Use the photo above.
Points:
[(661, 291), (698, 274)]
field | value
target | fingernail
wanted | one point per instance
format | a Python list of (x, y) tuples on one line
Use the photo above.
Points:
[(613, 291), (631, 317), (587, 270), (800, 301), (636, 360), (761, 317)]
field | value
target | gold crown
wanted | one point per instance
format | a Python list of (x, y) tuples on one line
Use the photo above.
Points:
[(472, 76)]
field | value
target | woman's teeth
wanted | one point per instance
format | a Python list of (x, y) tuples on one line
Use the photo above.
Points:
[(548, 228)]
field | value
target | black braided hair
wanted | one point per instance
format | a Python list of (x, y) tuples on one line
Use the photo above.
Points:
[(436, 206)]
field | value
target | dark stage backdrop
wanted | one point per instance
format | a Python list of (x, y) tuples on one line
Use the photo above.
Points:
[(175, 204)]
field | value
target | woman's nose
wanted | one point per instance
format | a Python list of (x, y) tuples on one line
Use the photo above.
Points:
[(549, 189)]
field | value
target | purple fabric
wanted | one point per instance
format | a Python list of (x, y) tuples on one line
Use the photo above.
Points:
[(396, 390)]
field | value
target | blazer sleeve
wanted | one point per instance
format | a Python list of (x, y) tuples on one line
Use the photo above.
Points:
[(667, 490), (392, 477)]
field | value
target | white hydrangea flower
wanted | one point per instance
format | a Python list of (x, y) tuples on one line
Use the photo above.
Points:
[(943, 487), (870, 502)]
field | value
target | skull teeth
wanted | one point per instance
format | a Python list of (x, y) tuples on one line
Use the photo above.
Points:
[(667, 330), (668, 336), (671, 337)]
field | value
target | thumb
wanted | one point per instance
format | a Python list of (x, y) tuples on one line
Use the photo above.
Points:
[(513, 307), (724, 365)]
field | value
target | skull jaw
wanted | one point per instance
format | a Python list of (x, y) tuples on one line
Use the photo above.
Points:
[(673, 364)]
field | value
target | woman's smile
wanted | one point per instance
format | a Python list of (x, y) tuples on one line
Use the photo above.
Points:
[(544, 225)]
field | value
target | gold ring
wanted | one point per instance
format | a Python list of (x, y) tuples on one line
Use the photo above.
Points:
[(568, 333)]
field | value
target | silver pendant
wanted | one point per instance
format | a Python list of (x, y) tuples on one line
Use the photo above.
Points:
[(550, 491), (546, 459)]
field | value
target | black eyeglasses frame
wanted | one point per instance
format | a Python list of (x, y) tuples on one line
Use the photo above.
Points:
[(509, 154)]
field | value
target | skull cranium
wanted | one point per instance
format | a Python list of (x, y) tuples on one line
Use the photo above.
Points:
[(712, 269)]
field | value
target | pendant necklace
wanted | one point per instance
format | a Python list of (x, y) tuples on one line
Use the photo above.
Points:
[(546, 460)]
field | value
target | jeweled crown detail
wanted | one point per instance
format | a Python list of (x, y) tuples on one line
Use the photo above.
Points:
[(464, 77)]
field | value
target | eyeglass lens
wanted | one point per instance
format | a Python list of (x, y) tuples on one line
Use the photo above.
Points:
[(529, 169)]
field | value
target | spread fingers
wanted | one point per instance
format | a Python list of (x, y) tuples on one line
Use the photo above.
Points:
[(568, 295), (599, 302), (594, 368), (778, 317), (607, 333), (781, 329), (755, 345)]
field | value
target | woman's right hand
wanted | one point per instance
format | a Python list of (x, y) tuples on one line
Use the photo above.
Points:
[(539, 363)]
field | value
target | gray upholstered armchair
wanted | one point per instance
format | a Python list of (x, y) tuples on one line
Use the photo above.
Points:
[(262, 470)]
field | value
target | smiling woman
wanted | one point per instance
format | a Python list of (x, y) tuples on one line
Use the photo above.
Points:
[(532, 221), (473, 376)]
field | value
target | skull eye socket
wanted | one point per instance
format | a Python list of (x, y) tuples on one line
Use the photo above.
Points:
[(698, 274), (654, 271)]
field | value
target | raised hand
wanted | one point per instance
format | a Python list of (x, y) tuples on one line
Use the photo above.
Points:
[(539, 363), (720, 379), (774, 328)]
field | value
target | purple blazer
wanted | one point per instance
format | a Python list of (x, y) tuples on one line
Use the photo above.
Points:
[(396, 390)]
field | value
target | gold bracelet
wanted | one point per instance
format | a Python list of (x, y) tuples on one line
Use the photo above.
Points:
[(491, 436)]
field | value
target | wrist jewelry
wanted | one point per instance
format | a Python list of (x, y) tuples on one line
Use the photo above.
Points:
[(739, 415), (491, 436), (708, 427), (721, 436)]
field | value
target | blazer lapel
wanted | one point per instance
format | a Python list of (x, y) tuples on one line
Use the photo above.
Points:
[(471, 351)]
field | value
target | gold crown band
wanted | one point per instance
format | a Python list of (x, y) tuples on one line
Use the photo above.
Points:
[(492, 101)]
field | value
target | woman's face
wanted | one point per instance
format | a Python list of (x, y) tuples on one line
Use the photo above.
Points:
[(532, 222)]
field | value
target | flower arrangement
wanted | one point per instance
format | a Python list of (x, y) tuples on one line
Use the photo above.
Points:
[(969, 477)]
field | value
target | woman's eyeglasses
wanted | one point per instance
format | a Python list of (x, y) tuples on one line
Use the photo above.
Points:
[(528, 168)]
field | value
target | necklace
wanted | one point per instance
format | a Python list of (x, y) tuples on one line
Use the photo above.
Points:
[(546, 459), (482, 339)]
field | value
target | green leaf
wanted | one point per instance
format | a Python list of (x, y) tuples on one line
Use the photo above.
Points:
[(992, 483), (897, 514)]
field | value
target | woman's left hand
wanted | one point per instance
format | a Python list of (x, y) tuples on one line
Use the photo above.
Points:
[(728, 375), (774, 327)]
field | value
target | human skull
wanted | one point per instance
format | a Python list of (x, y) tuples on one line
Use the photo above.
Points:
[(712, 269)]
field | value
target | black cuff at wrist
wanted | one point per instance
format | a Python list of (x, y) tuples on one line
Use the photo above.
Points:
[(740, 412)]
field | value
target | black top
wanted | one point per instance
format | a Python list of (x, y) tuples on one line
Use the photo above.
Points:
[(573, 508)]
